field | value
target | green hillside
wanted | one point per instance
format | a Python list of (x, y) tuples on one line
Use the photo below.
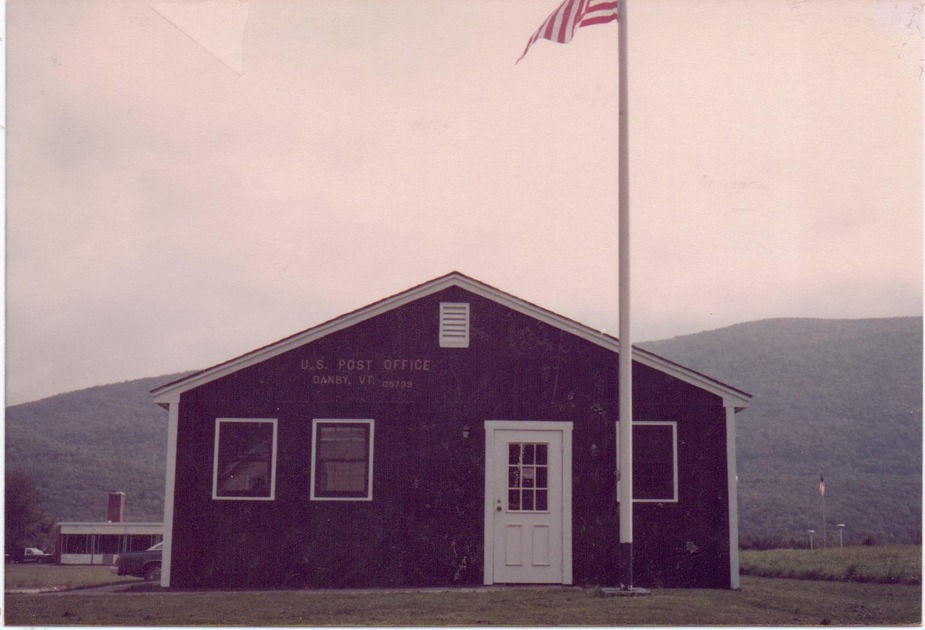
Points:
[(845, 395), (81, 445)]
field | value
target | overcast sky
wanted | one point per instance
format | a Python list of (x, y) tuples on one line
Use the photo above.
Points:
[(189, 181)]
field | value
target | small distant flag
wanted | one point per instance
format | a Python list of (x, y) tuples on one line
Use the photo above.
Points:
[(821, 484), (560, 27)]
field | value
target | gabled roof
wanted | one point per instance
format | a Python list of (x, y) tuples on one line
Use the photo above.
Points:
[(171, 391)]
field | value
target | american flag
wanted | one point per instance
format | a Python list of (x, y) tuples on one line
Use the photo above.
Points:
[(561, 25), (821, 484)]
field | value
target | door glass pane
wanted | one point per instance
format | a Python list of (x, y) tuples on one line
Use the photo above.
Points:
[(513, 500), (528, 477), (513, 477)]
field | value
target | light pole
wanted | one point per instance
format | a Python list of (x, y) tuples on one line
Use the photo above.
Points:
[(811, 532), (841, 529)]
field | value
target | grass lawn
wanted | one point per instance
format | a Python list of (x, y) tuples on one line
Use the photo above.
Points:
[(899, 564), (854, 586), (761, 601), (58, 577)]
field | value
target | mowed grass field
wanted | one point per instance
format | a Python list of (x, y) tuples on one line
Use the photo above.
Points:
[(760, 601), (899, 564), (53, 577)]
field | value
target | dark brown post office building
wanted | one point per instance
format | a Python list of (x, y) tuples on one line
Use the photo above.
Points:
[(452, 434)]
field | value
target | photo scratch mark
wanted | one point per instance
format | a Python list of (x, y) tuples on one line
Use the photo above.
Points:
[(216, 26)]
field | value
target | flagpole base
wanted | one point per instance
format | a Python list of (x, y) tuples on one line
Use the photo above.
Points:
[(626, 588), (626, 565)]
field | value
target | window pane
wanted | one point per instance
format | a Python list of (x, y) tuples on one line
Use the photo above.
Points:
[(244, 459), (76, 543), (653, 482), (343, 477), (342, 442), (342, 466), (529, 476), (513, 454), (541, 504), (653, 462), (541, 450), (541, 478), (141, 542)]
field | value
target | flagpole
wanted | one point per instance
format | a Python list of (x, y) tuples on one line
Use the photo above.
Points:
[(559, 27), (626, 353), (825, 541)]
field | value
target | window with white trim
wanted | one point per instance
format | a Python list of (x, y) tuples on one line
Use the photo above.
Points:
[(244, 464), (342, 460), (655, 461), (454, 325)]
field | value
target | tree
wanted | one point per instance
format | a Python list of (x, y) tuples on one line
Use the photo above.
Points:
[(24, 516)]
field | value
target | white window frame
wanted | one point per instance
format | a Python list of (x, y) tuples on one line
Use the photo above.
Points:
[(314, 460), (218, 425), (674, 463)]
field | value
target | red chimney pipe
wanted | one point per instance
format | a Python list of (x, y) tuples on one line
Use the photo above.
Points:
[(116, 507)]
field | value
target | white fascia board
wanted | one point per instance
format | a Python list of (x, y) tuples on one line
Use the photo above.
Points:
[(728, 394), (171, 392), (165, 393), (111, 528)]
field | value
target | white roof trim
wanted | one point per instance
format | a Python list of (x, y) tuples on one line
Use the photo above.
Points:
[(171, 391), (80, 527)]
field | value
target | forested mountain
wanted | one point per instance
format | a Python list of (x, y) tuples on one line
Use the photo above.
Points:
[(845, 395), (81, 445)]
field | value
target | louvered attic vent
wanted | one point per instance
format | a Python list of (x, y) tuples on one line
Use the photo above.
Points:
[(454, 325)]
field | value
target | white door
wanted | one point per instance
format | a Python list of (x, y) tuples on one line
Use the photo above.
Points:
[(528, 502)]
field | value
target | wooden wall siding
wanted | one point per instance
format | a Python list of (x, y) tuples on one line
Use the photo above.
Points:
[(424, 524)]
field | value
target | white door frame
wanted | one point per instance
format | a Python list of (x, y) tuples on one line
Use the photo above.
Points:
[(490, 491)]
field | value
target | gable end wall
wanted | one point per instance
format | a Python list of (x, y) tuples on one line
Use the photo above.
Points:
[(424, 524)]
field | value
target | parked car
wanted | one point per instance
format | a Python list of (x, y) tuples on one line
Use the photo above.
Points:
[(34, 554), (145, 564)]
